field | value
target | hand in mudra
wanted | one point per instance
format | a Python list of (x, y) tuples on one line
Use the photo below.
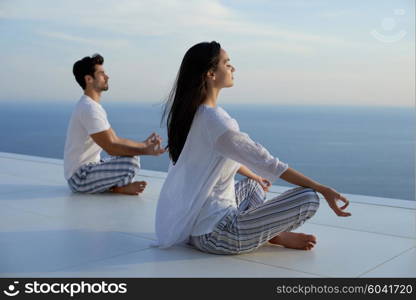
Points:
[(265, 184), (153, 145), (331, 196)]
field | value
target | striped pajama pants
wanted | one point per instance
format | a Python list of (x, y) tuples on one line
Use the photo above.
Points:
[(256, 220), (101, 176)]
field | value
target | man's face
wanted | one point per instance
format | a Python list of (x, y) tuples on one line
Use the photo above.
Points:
[(100, 80)]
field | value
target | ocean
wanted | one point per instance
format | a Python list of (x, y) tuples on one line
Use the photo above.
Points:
[(357, 150)]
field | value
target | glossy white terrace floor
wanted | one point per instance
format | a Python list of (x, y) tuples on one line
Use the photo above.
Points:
[(47, 231)]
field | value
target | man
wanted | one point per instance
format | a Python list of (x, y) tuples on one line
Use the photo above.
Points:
[(89, 132)]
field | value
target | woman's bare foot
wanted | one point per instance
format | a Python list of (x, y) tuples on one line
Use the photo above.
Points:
[(133, 188), (294, 240)]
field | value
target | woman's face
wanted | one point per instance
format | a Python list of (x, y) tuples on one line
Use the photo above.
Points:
[(223, 75)]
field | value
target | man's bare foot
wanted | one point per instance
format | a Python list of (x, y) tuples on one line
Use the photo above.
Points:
[(133, 188), (294, 240)]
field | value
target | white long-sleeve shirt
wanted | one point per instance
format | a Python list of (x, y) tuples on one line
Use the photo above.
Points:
[(199, 189)]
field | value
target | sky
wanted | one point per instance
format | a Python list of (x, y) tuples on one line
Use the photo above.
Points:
[(286, 52)]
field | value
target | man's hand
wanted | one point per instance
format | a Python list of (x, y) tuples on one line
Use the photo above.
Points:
[(153, 145), (154, 136)]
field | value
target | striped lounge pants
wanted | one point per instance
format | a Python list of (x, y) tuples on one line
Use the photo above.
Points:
[(256, 220), (101, 176)]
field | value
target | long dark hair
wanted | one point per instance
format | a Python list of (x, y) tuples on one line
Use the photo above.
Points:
[(188, 93)]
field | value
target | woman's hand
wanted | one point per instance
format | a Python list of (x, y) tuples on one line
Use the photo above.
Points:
[(331, 196), (265, 184)]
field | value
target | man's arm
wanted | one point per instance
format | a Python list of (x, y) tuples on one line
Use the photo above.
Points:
[(115, 146)]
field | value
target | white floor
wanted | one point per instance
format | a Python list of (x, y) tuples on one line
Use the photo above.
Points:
[(46, 231)]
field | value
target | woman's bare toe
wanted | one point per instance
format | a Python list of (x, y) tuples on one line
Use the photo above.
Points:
[(310, 245), (295, 240)]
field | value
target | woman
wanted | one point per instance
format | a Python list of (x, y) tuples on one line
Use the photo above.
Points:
[(199, 202)]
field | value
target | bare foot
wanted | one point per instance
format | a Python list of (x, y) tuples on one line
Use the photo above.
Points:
[(294, 240), (133, 188)]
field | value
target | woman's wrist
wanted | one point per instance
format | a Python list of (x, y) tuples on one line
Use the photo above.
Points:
[(320, 188), (256, 177)]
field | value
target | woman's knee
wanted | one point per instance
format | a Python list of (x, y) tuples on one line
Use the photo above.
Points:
[(312, 195), (315, 198), (312, 201), (257, 186)]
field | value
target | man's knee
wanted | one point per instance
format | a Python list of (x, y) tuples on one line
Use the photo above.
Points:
[(136, 161), (132, 161)]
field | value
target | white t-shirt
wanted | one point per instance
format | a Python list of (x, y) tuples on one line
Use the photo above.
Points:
[(88, 117), (199, 189)]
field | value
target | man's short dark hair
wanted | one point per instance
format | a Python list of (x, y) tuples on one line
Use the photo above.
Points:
[(86, 66)]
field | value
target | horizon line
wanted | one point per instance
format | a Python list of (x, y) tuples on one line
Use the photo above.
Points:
[(222, 103)]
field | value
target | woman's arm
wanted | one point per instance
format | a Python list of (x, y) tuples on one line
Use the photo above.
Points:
[(246, 172), (265, 184), (331, 195), (294, 177), (239, 147)]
